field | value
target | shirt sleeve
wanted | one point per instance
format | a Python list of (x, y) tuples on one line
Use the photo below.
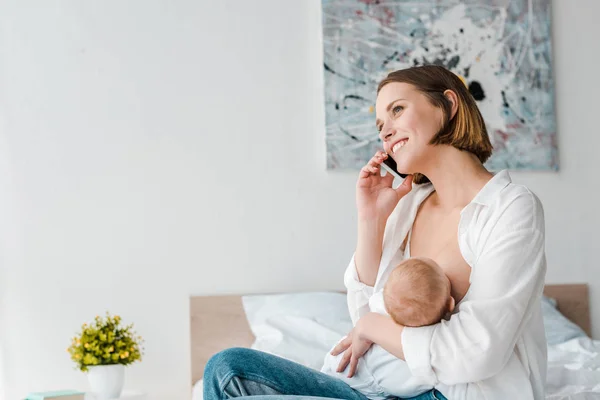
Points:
[(506, 285), (358, 293)]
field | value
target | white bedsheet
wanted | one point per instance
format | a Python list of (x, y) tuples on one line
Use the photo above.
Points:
[(303, 326), (574, 370), (197, 391)]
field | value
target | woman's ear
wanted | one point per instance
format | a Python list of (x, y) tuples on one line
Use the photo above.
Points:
[(453, 99)]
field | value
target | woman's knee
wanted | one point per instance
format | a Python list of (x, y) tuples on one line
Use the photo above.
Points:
[(227, 362)]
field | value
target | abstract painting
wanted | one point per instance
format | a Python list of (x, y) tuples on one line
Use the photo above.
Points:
[(501, 49)]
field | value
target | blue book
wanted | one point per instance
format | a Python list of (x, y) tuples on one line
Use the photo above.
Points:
[(57, 395)]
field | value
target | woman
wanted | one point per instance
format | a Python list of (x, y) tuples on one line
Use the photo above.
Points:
[(484, 231)]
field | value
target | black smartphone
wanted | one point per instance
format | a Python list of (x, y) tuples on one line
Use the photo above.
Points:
[(391, 167)]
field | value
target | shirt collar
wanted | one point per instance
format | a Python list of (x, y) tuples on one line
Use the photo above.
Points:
[(491, 189)]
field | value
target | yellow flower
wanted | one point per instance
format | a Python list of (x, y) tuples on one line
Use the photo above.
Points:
[(103, 341)]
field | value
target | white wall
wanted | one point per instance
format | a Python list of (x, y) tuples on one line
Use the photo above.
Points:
[(152, 150)]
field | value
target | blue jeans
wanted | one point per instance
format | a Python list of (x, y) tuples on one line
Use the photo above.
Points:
[(240, 372)]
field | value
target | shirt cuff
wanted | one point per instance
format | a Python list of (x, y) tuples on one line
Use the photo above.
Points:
[(353, 284), (416, 345)]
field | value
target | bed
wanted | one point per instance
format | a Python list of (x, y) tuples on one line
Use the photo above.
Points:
[(298, 327)]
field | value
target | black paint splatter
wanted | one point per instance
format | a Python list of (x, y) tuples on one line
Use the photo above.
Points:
[(504, 102), (354, 97), (466, 72), (453, 62), (476, 90), (327, 68), (389, 58)]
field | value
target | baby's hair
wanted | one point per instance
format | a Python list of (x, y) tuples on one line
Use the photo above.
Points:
[(416, 294)]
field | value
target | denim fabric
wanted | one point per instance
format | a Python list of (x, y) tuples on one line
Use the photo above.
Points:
[(255, 375)]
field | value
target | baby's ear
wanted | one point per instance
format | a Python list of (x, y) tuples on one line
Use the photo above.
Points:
[(452, 304)]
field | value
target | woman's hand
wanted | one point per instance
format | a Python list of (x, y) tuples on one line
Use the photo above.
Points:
[(375, 197), (354, 348)]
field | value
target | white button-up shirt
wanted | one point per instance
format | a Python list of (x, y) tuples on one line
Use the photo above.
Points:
[(494, 345)]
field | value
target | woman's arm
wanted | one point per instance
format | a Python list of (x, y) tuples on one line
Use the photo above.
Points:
[(371, 328), (376, 201), (368, 249), (506, 283), (361, 274), (381, 329)]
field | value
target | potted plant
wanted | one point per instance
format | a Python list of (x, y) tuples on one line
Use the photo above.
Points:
[(103, 349)]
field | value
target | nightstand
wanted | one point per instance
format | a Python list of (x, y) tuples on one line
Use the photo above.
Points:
[(126, 395)]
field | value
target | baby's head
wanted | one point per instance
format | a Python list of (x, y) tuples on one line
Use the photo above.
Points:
[(417, 293)]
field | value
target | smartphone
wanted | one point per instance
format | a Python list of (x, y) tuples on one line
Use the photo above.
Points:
[(391, 167)]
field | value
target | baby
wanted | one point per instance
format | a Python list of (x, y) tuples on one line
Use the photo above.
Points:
[(417, 293)]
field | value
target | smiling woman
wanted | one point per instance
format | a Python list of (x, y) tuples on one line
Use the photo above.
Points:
[(485, 233), (436, 108)]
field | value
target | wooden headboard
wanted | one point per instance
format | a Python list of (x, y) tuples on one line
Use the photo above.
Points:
[(573, 302), (219, 322)]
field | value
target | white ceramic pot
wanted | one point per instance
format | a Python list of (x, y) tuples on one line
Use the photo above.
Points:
[(106, 381)]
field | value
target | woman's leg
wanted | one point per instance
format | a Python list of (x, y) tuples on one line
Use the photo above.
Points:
[(239, 372)]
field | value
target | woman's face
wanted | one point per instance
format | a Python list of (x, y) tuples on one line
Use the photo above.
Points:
[(407, 122)]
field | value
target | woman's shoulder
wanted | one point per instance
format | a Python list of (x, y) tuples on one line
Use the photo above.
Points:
[(505, 211), (518, 206)]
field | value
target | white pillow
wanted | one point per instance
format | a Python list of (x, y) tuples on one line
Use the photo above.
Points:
[(301, 327), (558, 328)]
